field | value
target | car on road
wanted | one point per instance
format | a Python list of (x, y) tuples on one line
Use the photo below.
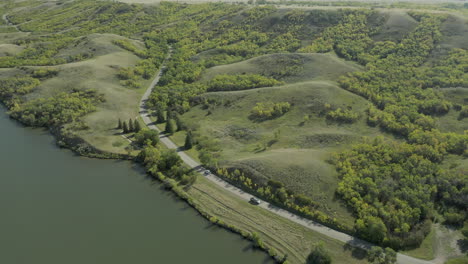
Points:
[(207, 172), (254, 201)]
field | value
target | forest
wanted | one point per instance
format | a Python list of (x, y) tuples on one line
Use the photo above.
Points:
[(396, 185)]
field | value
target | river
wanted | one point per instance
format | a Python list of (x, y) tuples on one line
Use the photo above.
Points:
[(56, 207)]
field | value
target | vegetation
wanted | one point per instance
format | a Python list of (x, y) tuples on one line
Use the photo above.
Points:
[(378, 255), (147, 137), (395, 184), (240, 82), (270, 110), (319, 255)]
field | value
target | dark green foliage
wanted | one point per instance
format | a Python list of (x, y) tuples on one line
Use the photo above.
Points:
[(60, 109), (147, 137), (319, 255), (378, 255), (393, 187), (119, 124), (161, 117), (131, 127), (167, 162), (12, 88), (170, 127), (188, 141), (125, 127), (465, 230), (137, 126)]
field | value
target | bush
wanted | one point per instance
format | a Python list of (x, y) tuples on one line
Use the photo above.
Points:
[(345, 116), (319, 255), (147, 137), (270, 110)]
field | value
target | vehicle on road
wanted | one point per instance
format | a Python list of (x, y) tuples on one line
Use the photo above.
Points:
[(207, 172), (254, 201)]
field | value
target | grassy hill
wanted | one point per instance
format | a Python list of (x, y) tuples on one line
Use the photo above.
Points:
[(292, 67), (298, 157)]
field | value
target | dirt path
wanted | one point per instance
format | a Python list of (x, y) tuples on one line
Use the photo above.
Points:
[(345, 238)]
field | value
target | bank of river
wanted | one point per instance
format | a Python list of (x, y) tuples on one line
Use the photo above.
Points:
[(56, 207)]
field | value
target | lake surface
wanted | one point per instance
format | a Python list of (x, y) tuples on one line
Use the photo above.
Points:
[(58, 208)]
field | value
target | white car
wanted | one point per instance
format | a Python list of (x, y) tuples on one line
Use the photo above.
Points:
[(207, 172), (254, 201)]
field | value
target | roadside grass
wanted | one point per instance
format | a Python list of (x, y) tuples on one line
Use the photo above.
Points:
[(310, 66), (285, 236), (426, 250)]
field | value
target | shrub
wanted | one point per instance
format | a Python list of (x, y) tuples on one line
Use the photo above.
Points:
[(270, 110), (319, 255)]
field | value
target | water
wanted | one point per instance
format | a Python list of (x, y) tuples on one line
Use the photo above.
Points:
[(58, 208)]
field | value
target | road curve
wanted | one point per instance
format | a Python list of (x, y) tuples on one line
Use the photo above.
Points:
[(345, 238)]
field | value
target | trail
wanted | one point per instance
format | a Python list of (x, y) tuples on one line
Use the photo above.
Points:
[(345, 238)]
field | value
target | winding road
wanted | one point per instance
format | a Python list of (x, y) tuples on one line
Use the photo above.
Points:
[(345, 238)]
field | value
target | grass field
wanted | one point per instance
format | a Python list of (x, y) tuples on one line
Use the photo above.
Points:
[(284, 236)]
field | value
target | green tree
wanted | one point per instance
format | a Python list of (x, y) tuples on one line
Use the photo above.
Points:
[(465, 230), (160, 115), (188, 140), (378, 255), (119, 125), (170, 126), (125, 127), (371, 228), (147, 137), (318, 255), (131, 128), (137, 126)]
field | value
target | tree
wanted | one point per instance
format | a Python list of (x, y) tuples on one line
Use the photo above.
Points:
[(318, 255), (119, 125), (180, 124), (465, 230), (125, 127), (371, 228), (378, 255), (137, 126), (147, 137), (188, 140), (170, 126), (160, 115), (131, 128)]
